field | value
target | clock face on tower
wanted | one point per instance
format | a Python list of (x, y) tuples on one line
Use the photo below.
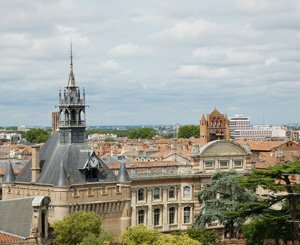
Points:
[(93, 162)]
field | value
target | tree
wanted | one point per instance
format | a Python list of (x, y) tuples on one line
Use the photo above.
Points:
[(219, 198), (140, 235), (204, 236), (36, 135), (102, 239), (283, 186), (76, 227), (142, 133), (188, 131), (169, 239)]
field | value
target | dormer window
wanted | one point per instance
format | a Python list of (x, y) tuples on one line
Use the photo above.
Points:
[(91, 175), (92, 169)]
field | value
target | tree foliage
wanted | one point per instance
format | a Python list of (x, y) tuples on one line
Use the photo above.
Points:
[(142, 133), (76, 227), (36, 135), (221, 197), (204, 236), (189, 131), (140, 235), (283, 190), (170, 239)]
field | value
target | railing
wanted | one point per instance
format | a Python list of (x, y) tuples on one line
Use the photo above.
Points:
[(72, 123)]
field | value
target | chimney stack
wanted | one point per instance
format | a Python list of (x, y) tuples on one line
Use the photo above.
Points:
[(35, 163)]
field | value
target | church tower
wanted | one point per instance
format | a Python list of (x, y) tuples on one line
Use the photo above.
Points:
[(203, 130), (72, 111)]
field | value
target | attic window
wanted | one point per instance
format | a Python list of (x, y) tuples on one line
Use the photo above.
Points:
[(91, 175)]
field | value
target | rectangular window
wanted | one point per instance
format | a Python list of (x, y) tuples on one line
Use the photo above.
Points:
[(141, 195), (208, 164), (187, 215), (237, 163), (156, 193), (172, 192), (223, 163), (186, 192), (156, 216), (171, 215), (141, 216)]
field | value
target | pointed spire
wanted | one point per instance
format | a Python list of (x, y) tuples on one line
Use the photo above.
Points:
[(123, 175), (62, 178), (71, 81), (9, 173)]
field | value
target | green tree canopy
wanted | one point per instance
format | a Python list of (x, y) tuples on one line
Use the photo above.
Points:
[(142, 133), (283, 185), (203, 236), (170, 239), (76, 227), (222, 196), (140, 235), (189, 131), (36, 135)]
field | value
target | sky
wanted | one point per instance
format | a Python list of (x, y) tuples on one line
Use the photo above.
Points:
[(151, 62)]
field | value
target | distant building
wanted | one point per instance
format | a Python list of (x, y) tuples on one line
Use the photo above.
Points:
[(215, 126), (238, 122), (55, 121), (261, 133)]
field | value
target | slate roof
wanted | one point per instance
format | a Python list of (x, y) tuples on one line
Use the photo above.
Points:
[(9, 173), (123, 175), (16, 216), (74, 158)]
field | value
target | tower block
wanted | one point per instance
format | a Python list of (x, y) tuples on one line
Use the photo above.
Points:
[(215, 126)]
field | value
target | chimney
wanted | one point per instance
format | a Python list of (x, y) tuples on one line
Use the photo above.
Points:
[(35, 163)]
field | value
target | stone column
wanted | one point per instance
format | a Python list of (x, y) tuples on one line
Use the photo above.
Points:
[(149, 201), (133, 205), (165, 209)]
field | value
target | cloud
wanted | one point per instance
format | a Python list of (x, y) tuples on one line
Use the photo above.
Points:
[(228, 56), (185, 30), (129, 50), (196, 71), (111, 66), (271, 61)]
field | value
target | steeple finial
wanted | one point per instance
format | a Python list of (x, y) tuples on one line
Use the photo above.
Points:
[(71, 81), (71, 56)]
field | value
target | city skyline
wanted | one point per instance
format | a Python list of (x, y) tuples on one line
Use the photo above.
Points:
[(157, 62)]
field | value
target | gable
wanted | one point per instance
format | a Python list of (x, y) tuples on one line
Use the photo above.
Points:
[(222, 148)]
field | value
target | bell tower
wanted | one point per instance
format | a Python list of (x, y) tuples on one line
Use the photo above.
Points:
[(72, 111)]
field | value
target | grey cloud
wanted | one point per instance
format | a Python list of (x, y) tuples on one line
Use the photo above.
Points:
[(151, 62)]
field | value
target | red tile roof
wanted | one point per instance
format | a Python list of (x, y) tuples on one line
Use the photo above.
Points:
[(8, 238), (261, 145)]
